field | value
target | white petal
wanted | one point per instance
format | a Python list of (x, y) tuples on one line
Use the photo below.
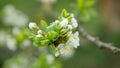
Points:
[(39, 31), (60, 46), (64, 23), (32, 25), (76, 39), (57, 54), (74, 22), (56, 21), (70, 27)]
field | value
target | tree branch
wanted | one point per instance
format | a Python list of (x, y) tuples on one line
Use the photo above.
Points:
[(99, 43)]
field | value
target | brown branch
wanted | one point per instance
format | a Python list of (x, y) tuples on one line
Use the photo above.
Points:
[(99, 43)]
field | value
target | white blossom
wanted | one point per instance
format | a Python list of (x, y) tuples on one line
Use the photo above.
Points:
[(58, 49), (62, 49), (68, 54), (56, 21), (74, 22), (70, 27), (64, 23), (39, 31), (32, 25), (73, 42)]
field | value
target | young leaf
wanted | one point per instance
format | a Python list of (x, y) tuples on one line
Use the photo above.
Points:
[(44, 42), (52, 35), (64, 12), (52, 49), (43, 24)]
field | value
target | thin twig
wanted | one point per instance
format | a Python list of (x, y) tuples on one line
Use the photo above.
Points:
[(99, 43)]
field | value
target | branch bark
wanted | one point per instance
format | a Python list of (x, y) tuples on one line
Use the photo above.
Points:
[(96, 41)]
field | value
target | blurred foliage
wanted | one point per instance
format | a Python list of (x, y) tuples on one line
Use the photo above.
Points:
[(86, 9), (23, 61)]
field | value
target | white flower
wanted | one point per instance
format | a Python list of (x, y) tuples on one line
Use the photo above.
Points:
[(58, 49), (74, 22), (64, 23), (39, 31), (73, 40), (56, 21), (32, 25), (39, 35), (63, 49), (70, 27), (68, 54)]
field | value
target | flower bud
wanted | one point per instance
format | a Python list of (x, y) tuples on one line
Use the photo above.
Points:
[(32, 25), (39, 31)]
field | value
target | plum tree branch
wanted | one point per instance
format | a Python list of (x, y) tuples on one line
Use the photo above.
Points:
[(96, 41)]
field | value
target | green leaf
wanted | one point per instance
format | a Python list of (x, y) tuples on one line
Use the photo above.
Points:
[(90, 3), (64, 12), (52, 49), (44, 42), (52, 35), (36, 43), (43, 24), (80, 4)]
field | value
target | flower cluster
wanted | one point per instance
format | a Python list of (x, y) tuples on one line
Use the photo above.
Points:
[(59, 35)]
